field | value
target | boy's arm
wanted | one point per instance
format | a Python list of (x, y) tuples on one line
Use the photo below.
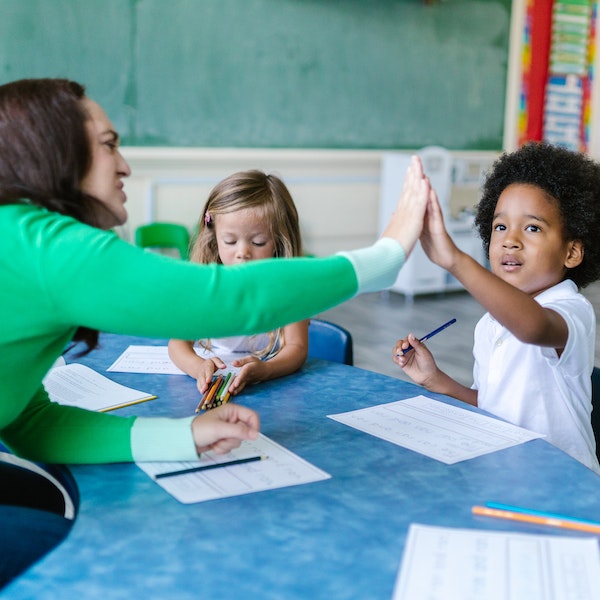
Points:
[(525, 318)]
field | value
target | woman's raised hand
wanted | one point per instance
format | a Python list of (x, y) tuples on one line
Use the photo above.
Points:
[(406, 223)]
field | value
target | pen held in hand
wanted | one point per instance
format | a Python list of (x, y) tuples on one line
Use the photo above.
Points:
[(426, 337), (230, 463)]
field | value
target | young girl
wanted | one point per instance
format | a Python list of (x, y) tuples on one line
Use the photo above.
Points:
[(539, 218), (248, 216)]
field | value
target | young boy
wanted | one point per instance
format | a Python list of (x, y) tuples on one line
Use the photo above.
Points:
[(539, 219)]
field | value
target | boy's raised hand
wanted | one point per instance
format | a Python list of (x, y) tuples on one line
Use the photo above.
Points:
[(435, 240)]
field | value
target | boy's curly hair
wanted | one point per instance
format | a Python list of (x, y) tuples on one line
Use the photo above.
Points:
[(571, 178)]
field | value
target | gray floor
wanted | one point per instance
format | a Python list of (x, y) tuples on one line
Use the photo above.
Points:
[(377, 320)]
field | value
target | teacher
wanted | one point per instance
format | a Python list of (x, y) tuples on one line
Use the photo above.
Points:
[(65, 277)]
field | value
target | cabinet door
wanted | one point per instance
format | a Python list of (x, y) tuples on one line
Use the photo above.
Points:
[(419, 275)]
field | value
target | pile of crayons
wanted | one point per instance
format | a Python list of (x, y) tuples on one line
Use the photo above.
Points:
[(217, 392)]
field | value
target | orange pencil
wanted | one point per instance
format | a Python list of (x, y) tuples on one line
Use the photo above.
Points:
[(207, 396), (208, 403), (204, 397), (538, 519)]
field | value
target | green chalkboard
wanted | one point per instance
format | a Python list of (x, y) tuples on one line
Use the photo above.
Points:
[(275, 73)]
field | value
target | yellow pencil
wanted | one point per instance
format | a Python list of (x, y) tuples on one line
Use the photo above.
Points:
[(538, 519), (227, 393)]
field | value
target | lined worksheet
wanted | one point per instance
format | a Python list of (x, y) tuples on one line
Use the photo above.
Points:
[(441, 563), (145, 359), (435, 429), (279, 468), (78, 385), (155, 359)]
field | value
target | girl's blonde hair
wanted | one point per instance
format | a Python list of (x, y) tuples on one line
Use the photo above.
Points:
[(267, 194), (250, 189)]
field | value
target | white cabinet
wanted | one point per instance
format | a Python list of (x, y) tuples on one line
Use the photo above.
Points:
[(419, 275)]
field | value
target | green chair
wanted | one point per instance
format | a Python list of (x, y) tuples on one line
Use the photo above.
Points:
[(164, 235)]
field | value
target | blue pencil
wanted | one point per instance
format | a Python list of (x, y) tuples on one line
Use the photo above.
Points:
[(429, 335), (539, 513)]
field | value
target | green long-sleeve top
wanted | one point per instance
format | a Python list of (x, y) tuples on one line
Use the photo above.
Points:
[(57, 274)]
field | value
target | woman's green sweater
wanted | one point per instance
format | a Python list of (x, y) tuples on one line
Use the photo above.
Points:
[(57, 274)]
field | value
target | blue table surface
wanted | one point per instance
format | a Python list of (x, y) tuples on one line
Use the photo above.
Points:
[(335, 539)]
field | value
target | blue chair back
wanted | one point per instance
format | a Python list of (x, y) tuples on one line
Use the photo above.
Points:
[(330, 342)]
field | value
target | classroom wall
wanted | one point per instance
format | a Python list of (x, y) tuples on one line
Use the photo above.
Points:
[(336, 191), (313, 90)]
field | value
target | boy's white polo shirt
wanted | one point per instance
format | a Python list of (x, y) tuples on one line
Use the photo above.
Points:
[(531, 386)]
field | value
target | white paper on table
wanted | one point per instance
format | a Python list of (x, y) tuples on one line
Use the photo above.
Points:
[(438, 430), (442, 563), (281, 468), (74, 384), (155, 359)]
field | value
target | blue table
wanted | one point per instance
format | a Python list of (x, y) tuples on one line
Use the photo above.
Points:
[(335, 539)]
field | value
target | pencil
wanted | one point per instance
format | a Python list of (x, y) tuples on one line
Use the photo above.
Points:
[(230, 463), (213, 398), (429, 335), (227, 393), (205, 396), (221, 391), (212, 392), (538, 518), (539, 513)]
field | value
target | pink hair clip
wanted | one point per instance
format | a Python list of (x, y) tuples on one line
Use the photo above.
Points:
[(207, 218)]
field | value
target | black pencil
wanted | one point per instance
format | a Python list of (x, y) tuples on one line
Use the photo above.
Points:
[(238, 461)]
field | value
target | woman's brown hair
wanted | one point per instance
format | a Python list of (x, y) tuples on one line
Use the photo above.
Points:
[(45, 153)]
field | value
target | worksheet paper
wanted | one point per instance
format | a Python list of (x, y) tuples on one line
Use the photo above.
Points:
[(435, 429), (145, 359), (155, 359), (74, 384), (281, 468), (456, 564)]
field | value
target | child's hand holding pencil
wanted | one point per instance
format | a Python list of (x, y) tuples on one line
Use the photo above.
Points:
[(405, 349), (411, 355), (217, 392)]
